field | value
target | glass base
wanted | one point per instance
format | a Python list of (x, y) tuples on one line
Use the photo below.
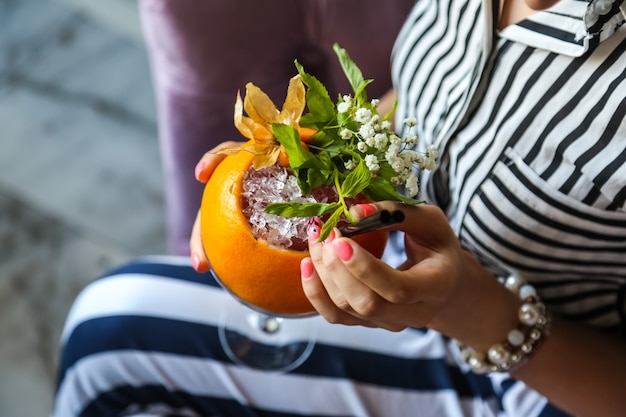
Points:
[(265, 342)]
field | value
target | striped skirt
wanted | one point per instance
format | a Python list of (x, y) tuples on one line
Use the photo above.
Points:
[(143, 341)]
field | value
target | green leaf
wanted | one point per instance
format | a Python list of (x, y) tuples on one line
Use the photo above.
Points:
[(291, 209), (356, 181), (317, 178), (331, 223), (289, 138), (352, 71), (379, 190), (321, 108)]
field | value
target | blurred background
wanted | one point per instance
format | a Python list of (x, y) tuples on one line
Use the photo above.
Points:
[(80, 177)]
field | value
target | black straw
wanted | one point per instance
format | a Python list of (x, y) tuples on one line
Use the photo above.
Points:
[(376, 221)]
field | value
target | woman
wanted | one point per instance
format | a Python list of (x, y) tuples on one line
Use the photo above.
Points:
[(528, 111)]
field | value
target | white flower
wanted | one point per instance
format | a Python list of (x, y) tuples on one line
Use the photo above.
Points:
[(348, 99), (349, 164), (395, 139), (362, 147), (367, 131), (346, 134), (432, 151), (375, 102), (411, 140), (363, 115), (430, 160), (385, 125), (372, 162), (343, 107), (411, 185), (410, 121), (380, 141)]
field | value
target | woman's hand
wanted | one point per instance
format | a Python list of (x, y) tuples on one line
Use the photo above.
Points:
[(440, 285), (203, 171)]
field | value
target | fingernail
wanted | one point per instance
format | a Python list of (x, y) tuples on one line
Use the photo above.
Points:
[(330, 237), (198, 171), (198, 264), (368, 209), (306, 268), (343, 249), (314, 228), (195, 261)]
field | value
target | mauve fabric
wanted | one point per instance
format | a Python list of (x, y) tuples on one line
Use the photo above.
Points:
[(202, 52)]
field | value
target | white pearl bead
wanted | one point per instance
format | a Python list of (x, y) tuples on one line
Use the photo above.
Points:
[(528, 314), (527, 291), (513, 283), (497, 354), (516, 337)]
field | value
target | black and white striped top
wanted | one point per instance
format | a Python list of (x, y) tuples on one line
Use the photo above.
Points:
[(531, 127)]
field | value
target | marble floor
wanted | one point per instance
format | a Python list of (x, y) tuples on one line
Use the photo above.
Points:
[(80, 177)]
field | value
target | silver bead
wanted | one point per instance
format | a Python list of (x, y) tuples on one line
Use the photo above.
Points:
[(515, 337), (591, 17), (534, 334), (498, 355), (603, 6), (527, 348), (529, 314), (477, 365)]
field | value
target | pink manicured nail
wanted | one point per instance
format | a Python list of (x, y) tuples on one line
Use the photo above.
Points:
[(343, 249), (368, 209), (195, 261), (198, 264), (314, 228), (198, 171), (306, 268)]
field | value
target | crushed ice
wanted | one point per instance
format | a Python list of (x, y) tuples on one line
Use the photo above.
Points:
[(273, 185)]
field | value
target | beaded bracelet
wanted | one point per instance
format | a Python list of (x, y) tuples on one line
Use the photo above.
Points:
[(522, 342)]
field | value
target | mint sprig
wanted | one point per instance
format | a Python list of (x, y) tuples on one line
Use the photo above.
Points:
[(353, 150)]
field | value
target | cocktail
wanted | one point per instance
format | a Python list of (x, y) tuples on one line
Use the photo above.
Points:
[(259, 200)]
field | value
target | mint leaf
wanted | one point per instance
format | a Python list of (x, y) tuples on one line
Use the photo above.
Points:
[(290, 139), (331, 223), (321, 107), (356, 181), (379, 189), (301, 209), (352, 71)]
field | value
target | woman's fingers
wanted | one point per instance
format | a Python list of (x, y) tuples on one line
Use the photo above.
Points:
[(210, 160), (203, 171), (339, 295), (318, 296), (199, 260)]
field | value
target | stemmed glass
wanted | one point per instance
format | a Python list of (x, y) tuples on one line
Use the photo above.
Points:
[(262, 339), (268, 341)]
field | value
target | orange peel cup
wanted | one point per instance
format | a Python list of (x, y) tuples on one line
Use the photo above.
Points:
[(262, 276)]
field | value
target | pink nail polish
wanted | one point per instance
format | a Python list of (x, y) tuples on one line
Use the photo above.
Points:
[(195, 261), (306, 268), (314, 228), (368, 209), (343, 249), (198, 171)]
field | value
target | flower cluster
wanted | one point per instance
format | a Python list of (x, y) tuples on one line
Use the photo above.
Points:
[(346, 144), (376, 143)]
